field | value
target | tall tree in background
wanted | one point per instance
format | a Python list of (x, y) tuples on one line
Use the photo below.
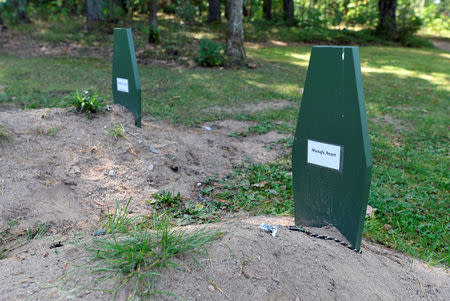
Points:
[(153, 36), (288, 8), (267, 9), (214, 11), (21, 6), (386, 18), (94, 10), (235, 34), (1, 20)]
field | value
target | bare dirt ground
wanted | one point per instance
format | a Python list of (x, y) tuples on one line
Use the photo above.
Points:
[(64, 169), (441, 44)]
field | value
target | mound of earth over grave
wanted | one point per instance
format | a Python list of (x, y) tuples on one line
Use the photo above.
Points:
[(246, 264), (61, 168)]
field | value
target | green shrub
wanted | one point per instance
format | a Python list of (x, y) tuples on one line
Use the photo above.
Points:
[(417, 42), (170, 9), (408, 28), (154, 34), (211, 53)]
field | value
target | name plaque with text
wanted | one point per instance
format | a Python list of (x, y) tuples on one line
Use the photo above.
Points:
[(324, 154)]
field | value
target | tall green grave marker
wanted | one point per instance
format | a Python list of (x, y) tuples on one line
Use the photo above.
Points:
[(125, 82), (331, 158)]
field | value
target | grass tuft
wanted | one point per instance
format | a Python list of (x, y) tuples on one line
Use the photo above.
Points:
[(3, 136), (116, 131), (139, 255), (39, 230), (119, 220)]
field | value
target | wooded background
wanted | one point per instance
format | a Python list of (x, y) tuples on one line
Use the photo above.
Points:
[(388, 20)]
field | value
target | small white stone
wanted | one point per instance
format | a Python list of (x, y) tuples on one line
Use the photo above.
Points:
[(206, 128), (199, 184), (370, 212), (150, 167), (152, 149), (140, 141), (112, 173)]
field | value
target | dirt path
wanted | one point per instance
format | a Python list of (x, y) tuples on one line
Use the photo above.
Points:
[(441, 44)]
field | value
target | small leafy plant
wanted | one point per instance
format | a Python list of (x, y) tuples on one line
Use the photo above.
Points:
[(211, 54), (116, 131), (168, 201), (87, 102)]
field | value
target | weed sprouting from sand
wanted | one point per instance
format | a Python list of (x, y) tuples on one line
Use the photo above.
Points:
[(137, 251), (37, 231), (116, 131), (3, 136), (119, 220)]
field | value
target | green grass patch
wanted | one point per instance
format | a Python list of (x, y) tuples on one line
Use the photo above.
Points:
[(259, 188), (187, 211), (138, 251)]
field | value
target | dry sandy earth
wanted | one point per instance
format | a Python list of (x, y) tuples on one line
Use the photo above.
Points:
[(57, 170)]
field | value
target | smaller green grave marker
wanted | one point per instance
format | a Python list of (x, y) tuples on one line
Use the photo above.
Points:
[(125, 81)]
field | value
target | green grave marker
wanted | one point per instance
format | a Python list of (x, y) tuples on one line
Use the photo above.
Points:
[(125, 82), (331, 158)]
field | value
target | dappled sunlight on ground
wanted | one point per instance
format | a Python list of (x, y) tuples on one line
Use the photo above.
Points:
[(279, 88), (439, 79)]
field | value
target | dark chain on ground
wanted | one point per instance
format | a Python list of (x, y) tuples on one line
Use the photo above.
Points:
[(325, 237)]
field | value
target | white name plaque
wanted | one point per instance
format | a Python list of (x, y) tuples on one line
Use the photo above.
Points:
[(324, 154), (122, 84)]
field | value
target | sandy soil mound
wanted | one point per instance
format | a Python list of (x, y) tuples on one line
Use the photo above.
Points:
[(246, 264), (63, 168)]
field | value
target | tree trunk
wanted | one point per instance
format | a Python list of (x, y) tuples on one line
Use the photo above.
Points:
[(386, 19), (214, 11), (267, 9), (21, 7), (288, 8), (94, 10), (235, 34), (153, 36)]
